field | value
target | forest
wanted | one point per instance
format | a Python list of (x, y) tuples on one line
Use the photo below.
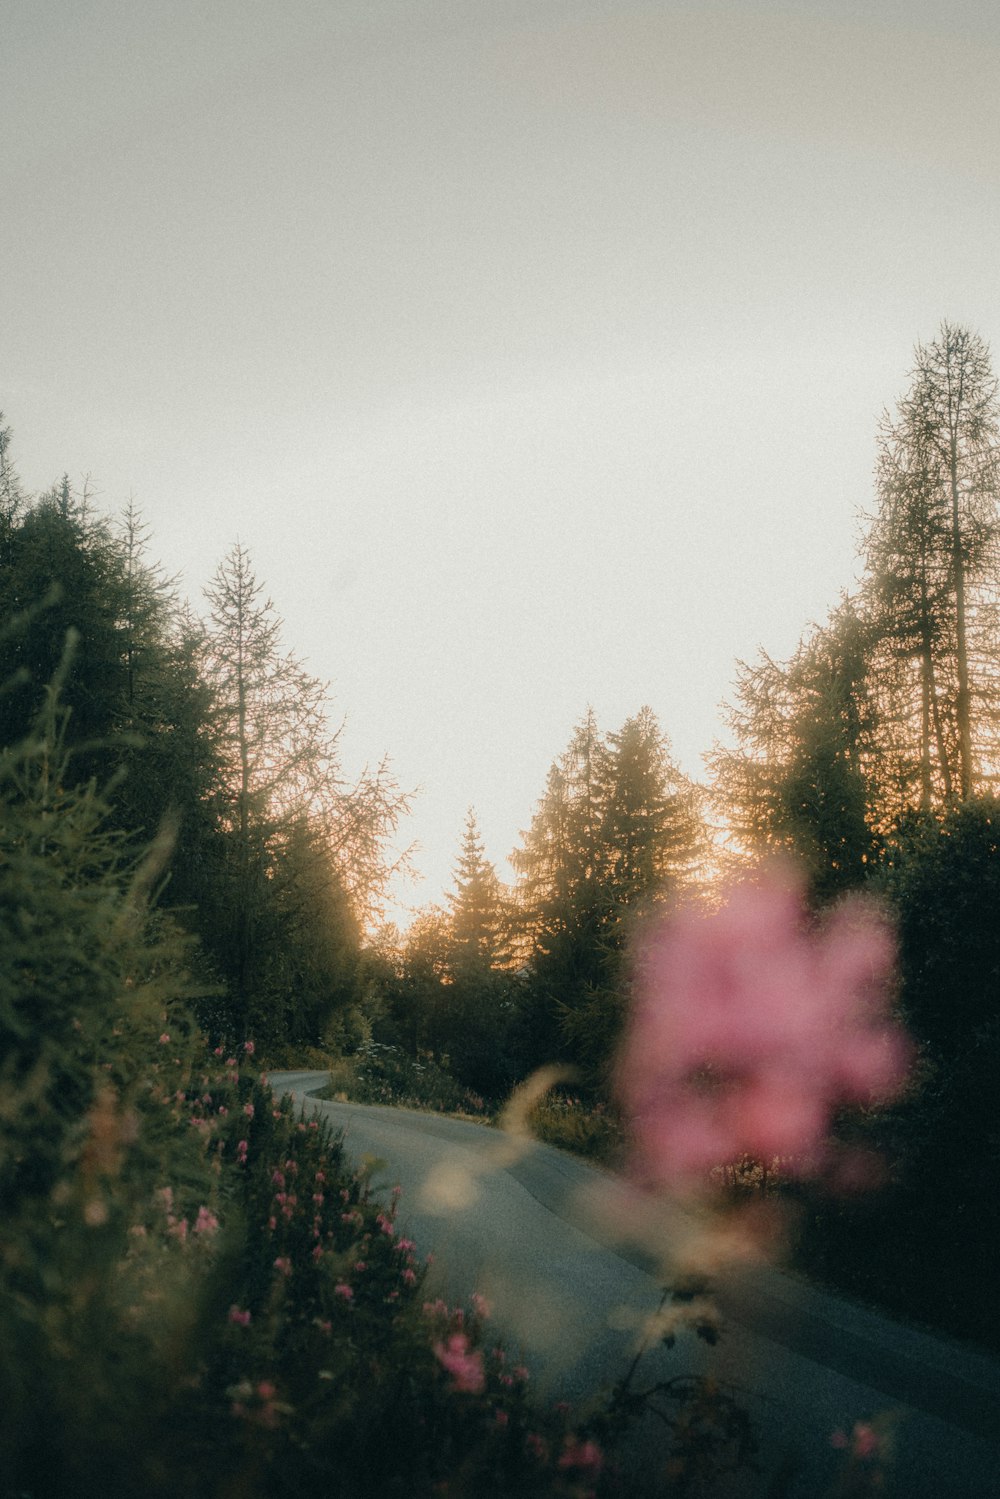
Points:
[(183, 767)]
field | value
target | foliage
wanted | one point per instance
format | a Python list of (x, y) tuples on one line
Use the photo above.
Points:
[(587, 1128), (299, 851), (196, 1294), (803, 777), (931, 553), (617, 828), (381, 1073)]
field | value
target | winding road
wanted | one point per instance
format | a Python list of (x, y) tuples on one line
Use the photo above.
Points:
[(559, 1251)]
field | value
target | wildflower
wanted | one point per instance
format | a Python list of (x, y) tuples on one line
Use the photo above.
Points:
[(480, 1305), (239, 1317), (206, 1222), (343, 1290), (465, 1365), (165, 1039), (750, 1029), (284, 1264), (586, 1455), (248, 1110), (409, 1277), (248, 1047), (864, 1441), (241, 1151)]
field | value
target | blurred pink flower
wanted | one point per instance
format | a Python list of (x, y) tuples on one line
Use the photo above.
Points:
[(585, 1455), (751, 1027), (206, 1221), (465, 1365)]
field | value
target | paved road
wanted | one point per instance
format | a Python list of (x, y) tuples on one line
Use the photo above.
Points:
[(550, 1241)]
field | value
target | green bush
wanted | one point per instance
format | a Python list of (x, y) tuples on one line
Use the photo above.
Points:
[(378, 1073), (587, 1129), (196, 1295)]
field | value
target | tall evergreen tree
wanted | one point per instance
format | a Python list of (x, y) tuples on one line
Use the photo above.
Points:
[(296, 834), (932, 556), (477, 938), (805, 776), (617, 822)]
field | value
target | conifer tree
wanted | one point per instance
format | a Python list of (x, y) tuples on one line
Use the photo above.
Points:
[(297, 836), (617, 823), (932, 557), (476, 907)]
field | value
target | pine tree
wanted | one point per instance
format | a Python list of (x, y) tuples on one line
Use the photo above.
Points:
[(806, 776), (932, 557), (476, 908), (617, 823), (296, 834)]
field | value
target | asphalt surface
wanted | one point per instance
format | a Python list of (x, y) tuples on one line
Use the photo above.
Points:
[(567, 1255)]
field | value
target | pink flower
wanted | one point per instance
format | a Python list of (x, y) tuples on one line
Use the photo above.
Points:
[(206, 1222), (165, 1039), (750, 1028), (284, 1264), (239, 1317), (864, 1441), (248, 1110), (465, 1365), (585, 1455), (343, 1290), (248, 1048)]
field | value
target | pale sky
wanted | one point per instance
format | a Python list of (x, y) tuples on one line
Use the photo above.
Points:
[(534, 348)]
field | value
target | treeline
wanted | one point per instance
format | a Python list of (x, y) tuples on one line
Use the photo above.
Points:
[(206, 731), (873, 755), (503, 979)]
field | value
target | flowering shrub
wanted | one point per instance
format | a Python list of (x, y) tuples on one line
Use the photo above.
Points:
[(380, 1073)]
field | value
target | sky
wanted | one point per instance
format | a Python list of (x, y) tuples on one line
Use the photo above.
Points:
[(534, 349)]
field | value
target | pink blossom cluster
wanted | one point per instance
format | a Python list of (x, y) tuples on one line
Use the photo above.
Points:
[(751, 1026), (463, 1363)]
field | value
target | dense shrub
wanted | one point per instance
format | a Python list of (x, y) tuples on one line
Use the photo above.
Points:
[(197, 1296), (379, 1073)]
